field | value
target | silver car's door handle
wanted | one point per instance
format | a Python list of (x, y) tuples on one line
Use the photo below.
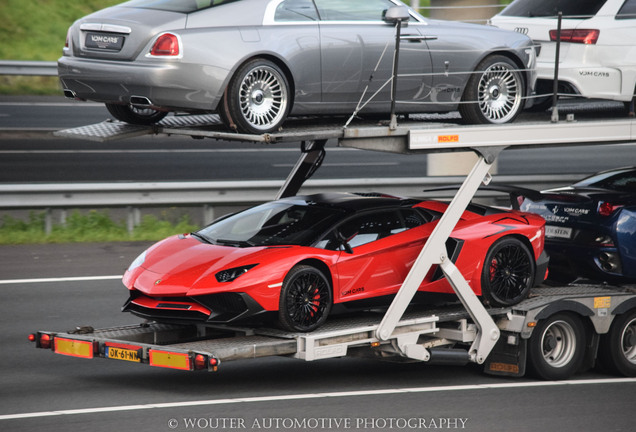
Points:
[(416, 38)]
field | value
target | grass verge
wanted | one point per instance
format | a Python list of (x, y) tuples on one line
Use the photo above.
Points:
[(92, 226)]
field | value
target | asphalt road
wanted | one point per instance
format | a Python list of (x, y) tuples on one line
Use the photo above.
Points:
[(28, 153), (58, 287), (41, 391)]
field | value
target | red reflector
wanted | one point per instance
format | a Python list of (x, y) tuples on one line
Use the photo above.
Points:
[(582, 36), (166, 45)]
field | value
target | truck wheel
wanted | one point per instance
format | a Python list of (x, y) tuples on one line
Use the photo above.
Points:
[(494, 92), (134, 115), (617, 349), (556, 347), (257, 99), (305, 299), (508, 272)]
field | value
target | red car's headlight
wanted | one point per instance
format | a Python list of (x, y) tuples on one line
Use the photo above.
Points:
[(231, 274)]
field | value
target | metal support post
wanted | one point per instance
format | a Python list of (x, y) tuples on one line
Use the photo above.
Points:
[(396, 62), (434, 252), (555, 83), (312, 155)]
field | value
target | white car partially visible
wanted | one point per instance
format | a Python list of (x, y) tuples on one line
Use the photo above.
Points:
[(598, 44)]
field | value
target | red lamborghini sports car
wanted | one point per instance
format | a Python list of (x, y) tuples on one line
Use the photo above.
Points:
[(298, 257)]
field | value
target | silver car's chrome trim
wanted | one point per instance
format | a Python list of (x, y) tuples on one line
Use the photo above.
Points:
[(270, 12), (110, 28)]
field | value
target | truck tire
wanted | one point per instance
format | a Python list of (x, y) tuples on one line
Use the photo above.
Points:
[(557, 347), (508, 272), (305, 299), (617, 349)]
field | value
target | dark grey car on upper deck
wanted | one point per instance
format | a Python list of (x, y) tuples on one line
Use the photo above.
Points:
[(256, 62)]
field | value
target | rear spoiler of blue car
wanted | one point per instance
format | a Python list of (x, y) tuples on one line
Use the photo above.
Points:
[(516, 194)]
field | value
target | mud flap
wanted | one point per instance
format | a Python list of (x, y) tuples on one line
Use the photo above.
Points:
[(508, 357)]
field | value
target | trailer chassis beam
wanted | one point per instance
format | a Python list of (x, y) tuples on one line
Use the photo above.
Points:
[(434, 252)]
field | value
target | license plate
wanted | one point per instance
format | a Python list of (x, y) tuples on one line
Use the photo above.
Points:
[(122, 354), (104, 41), (558, 232)]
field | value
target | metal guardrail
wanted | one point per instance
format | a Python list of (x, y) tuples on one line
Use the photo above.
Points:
[(32, 68), (212, 194), (156, 194)]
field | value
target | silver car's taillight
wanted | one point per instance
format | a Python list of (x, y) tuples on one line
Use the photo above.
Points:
[(166, 45)]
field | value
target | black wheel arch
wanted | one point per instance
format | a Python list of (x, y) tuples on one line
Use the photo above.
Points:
[(565, 306), (320, 265), (625, 307)]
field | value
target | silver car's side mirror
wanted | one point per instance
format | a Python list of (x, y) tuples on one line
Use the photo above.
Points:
[(395, 14)]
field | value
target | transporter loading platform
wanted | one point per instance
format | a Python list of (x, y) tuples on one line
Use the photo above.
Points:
[(559, 330)]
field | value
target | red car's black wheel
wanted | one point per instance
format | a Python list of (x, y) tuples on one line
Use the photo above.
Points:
[(508, 272), (305, 299), (133, 115)]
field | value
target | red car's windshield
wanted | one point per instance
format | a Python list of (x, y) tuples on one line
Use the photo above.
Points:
[(276, 223)]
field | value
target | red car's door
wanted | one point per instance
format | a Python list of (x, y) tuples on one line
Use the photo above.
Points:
[(384, 246)]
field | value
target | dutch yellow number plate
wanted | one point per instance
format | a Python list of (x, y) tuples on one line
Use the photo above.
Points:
[(122, 354)]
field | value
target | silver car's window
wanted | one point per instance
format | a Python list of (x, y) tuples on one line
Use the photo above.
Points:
[(548, 8), (296, 10), (352, 10), (183, 6), (628, 10)]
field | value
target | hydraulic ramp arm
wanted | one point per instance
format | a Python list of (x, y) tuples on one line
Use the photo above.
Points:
[(434, 252)]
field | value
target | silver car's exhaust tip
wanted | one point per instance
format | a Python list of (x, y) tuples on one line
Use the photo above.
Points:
[(70, 94), (140, 101)]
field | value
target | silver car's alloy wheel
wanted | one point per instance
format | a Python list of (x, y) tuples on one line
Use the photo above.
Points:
[(500, 93), (263, 97), (494, 93), (257, 100)]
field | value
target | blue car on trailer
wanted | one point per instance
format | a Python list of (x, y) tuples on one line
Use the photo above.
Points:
[(591, 227)]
